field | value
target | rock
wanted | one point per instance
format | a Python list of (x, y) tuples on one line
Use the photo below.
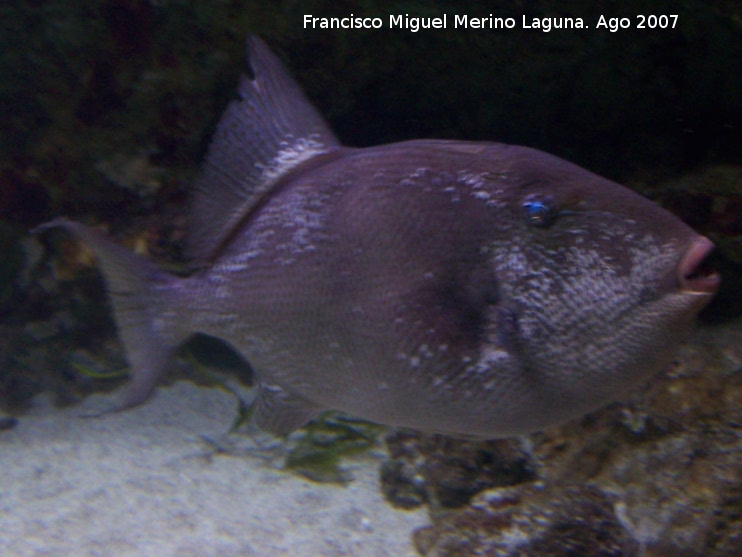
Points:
[(657, 475), (447, 473)]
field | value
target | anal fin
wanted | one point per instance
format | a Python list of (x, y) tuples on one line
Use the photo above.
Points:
[(280, 412)]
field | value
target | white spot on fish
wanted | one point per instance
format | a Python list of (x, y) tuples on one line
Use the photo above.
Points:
[(223, 292), (290, 155), (491, 357), (299, 222), (414, 178), (424, 351), (470, 179), (221, 285)]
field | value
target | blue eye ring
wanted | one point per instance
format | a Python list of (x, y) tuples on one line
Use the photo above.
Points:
[(539, 210)]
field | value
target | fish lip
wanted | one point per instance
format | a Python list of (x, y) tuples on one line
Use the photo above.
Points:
[(693, 278)]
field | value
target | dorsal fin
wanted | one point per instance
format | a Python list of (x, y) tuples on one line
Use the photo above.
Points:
[(261, 137)]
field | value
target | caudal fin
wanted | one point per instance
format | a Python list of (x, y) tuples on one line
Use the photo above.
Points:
[(138, 292)]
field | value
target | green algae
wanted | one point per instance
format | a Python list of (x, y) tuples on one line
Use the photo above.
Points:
[(325, 442), (88, 371)]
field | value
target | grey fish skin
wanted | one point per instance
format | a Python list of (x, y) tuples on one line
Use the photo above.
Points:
[(474, 289)]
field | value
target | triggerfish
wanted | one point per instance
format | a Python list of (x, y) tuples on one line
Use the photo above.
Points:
[(469, 288)]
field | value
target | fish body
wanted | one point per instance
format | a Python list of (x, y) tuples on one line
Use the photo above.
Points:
[(474, 289)]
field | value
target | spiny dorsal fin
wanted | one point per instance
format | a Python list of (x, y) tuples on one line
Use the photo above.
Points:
[(260, 138)]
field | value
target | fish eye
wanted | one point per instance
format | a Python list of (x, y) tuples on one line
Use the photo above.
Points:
[(539, 210)]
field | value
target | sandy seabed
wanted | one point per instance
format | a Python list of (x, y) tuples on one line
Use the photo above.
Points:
[(144, 482)]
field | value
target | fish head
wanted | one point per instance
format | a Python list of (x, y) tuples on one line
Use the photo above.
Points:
[(596, 285)]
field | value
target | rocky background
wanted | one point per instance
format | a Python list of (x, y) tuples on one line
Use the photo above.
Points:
[(107, 106)]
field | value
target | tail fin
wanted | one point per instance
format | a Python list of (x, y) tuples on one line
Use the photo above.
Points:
[(138, 293)]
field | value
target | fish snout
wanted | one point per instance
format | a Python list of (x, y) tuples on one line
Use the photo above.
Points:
[(695, 275)]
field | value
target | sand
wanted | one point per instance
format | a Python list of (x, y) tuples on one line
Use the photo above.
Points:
[(144, 482)]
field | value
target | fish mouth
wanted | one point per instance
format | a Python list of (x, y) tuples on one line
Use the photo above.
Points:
[(695, 274)]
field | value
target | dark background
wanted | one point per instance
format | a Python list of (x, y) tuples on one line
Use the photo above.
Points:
[(82, 82)]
